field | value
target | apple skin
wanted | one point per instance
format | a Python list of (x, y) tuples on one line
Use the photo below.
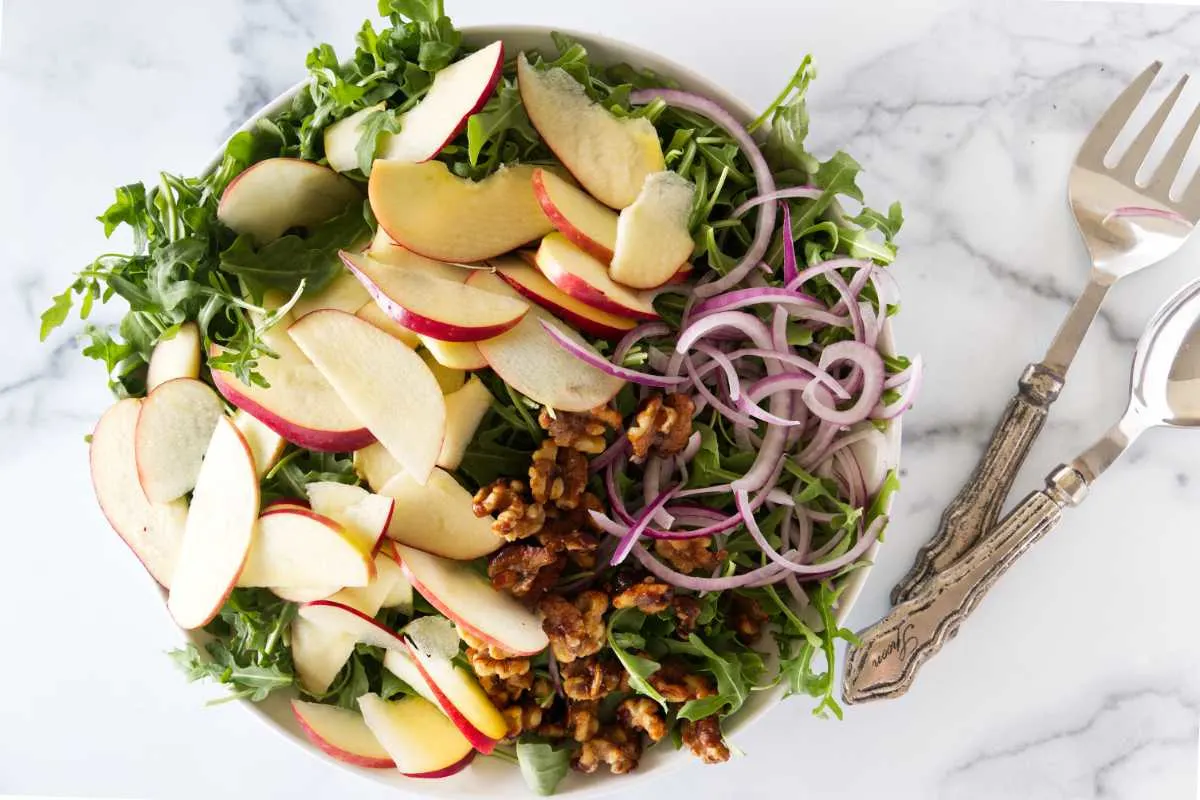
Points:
[(478, 739), (446, 772), (330, 749), (565, 224), (534, 286), (564, 265)]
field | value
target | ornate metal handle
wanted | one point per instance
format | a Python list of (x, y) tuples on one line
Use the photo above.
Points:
[(974, 511), (886, 662)]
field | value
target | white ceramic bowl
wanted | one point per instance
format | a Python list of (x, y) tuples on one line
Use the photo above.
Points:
[(489, 777)]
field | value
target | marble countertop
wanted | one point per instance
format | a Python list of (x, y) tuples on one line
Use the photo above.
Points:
[(1079, 677)]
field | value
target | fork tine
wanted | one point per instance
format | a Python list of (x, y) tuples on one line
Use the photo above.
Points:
[(1131, 162), (1168, 170), (1105, 132)]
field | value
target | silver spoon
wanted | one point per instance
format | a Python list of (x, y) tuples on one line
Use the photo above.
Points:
[(1165, 391)]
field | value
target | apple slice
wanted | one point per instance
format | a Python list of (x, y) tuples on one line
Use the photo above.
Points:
[(299, 404), (342, 734), (385, 251), (152, 531), (420, 739), (274, 195), (465, 409), (344, 293), (454, 355), (342, 137), (589, 224), (653, 240), (219, 530), (449, 379), (266, 445), (173, 431), (375, 465), (457, 92), (336, 616), (431, 211), (610, 157), (433, 306), (304, 594), (285, 504), (533, 284), (467, 598), (456, 691), (318, 653), (298, 547), (370, 598), (375, 315), (176, 357), (437, 517), (383, 382), (586, 279), (365, 516)]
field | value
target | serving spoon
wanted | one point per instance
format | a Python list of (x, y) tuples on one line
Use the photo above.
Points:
[(1165, 391)]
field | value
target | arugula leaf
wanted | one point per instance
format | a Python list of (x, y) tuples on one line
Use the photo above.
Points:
[(543, 766), (299, 467), (375, 125), (798, 672), (638, 667), (733, 688)]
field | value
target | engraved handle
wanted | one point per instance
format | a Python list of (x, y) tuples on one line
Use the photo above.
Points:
[(885, 662), (974, 511)]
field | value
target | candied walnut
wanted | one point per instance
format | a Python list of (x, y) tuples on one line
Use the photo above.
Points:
[(703, 737), (592, 678), (558, 475), (552, 729), (643, 714), (649, 595), (503, 668), (516, 517), (689, 555), (503, 692), (583, 721), (525, 717), (570, 531), (747, 618), (675, 683), (582, 432), (661, 426), (687, 611), (491, 650), (576, 629), (614, 747), (525, 570)]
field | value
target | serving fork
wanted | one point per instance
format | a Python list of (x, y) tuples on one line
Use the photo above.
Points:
[(1126, 226)]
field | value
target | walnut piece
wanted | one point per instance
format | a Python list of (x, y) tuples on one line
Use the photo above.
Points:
[(491, 650), (614, 747), (576, 629), (516, 517), (582, 720), (582, 432), (661, 426), (703, 737), (504, 668), (525, 570), (689, 555), (675, 683), (521, 718), (649, 595), (747, 618), (572, 531), (592, 678), (503, 692), (687, 611), (643, 714), (558, 475)]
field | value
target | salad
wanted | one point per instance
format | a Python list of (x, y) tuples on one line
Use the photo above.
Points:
[(501, 403)]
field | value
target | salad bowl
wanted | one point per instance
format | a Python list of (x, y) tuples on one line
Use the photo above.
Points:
[(491, 777)]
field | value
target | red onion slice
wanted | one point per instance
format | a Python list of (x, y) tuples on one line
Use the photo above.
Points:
[(790, 270), (640, 524), (590, 357), (790, 193), (643, 331), (868, 360), (907, 394)]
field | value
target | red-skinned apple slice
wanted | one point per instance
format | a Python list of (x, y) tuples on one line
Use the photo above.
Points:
[(219, 530), (343, 618), (343, 136), (653, 240), (457, 693), (610, 157), (173, 431), (437, 517), (177, 357), (266, 445), (421, 740), (375, 315), (432, 306), (281, 193), (454, 355), (342, 734), (384, 383), (153, 532), (344, 293), (465, 409), (299, 405), (586, 279), (531, 283), (431, 211), (385, 251), (469, 600), (535, 365), (449, 378), (375, 465), (364, 515), (299, 547), (457, 92), (588, 223)]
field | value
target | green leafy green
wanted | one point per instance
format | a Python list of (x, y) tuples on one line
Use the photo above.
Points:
[(732, 686), (638, 667), (542, 765)]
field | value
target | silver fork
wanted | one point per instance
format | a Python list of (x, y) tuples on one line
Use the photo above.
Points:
[(1126, 227)]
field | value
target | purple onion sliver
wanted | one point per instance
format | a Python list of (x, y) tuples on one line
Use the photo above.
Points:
[(790, 193), (790, 270), (643, 331), (639, 525), (589, 356)]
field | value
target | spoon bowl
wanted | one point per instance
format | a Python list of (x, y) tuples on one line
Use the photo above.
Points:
[(1166, 369)]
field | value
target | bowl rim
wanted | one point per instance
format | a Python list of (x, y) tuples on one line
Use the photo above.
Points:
[(601, 783)]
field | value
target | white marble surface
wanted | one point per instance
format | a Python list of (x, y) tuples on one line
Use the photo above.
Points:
[(1078, 678)]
